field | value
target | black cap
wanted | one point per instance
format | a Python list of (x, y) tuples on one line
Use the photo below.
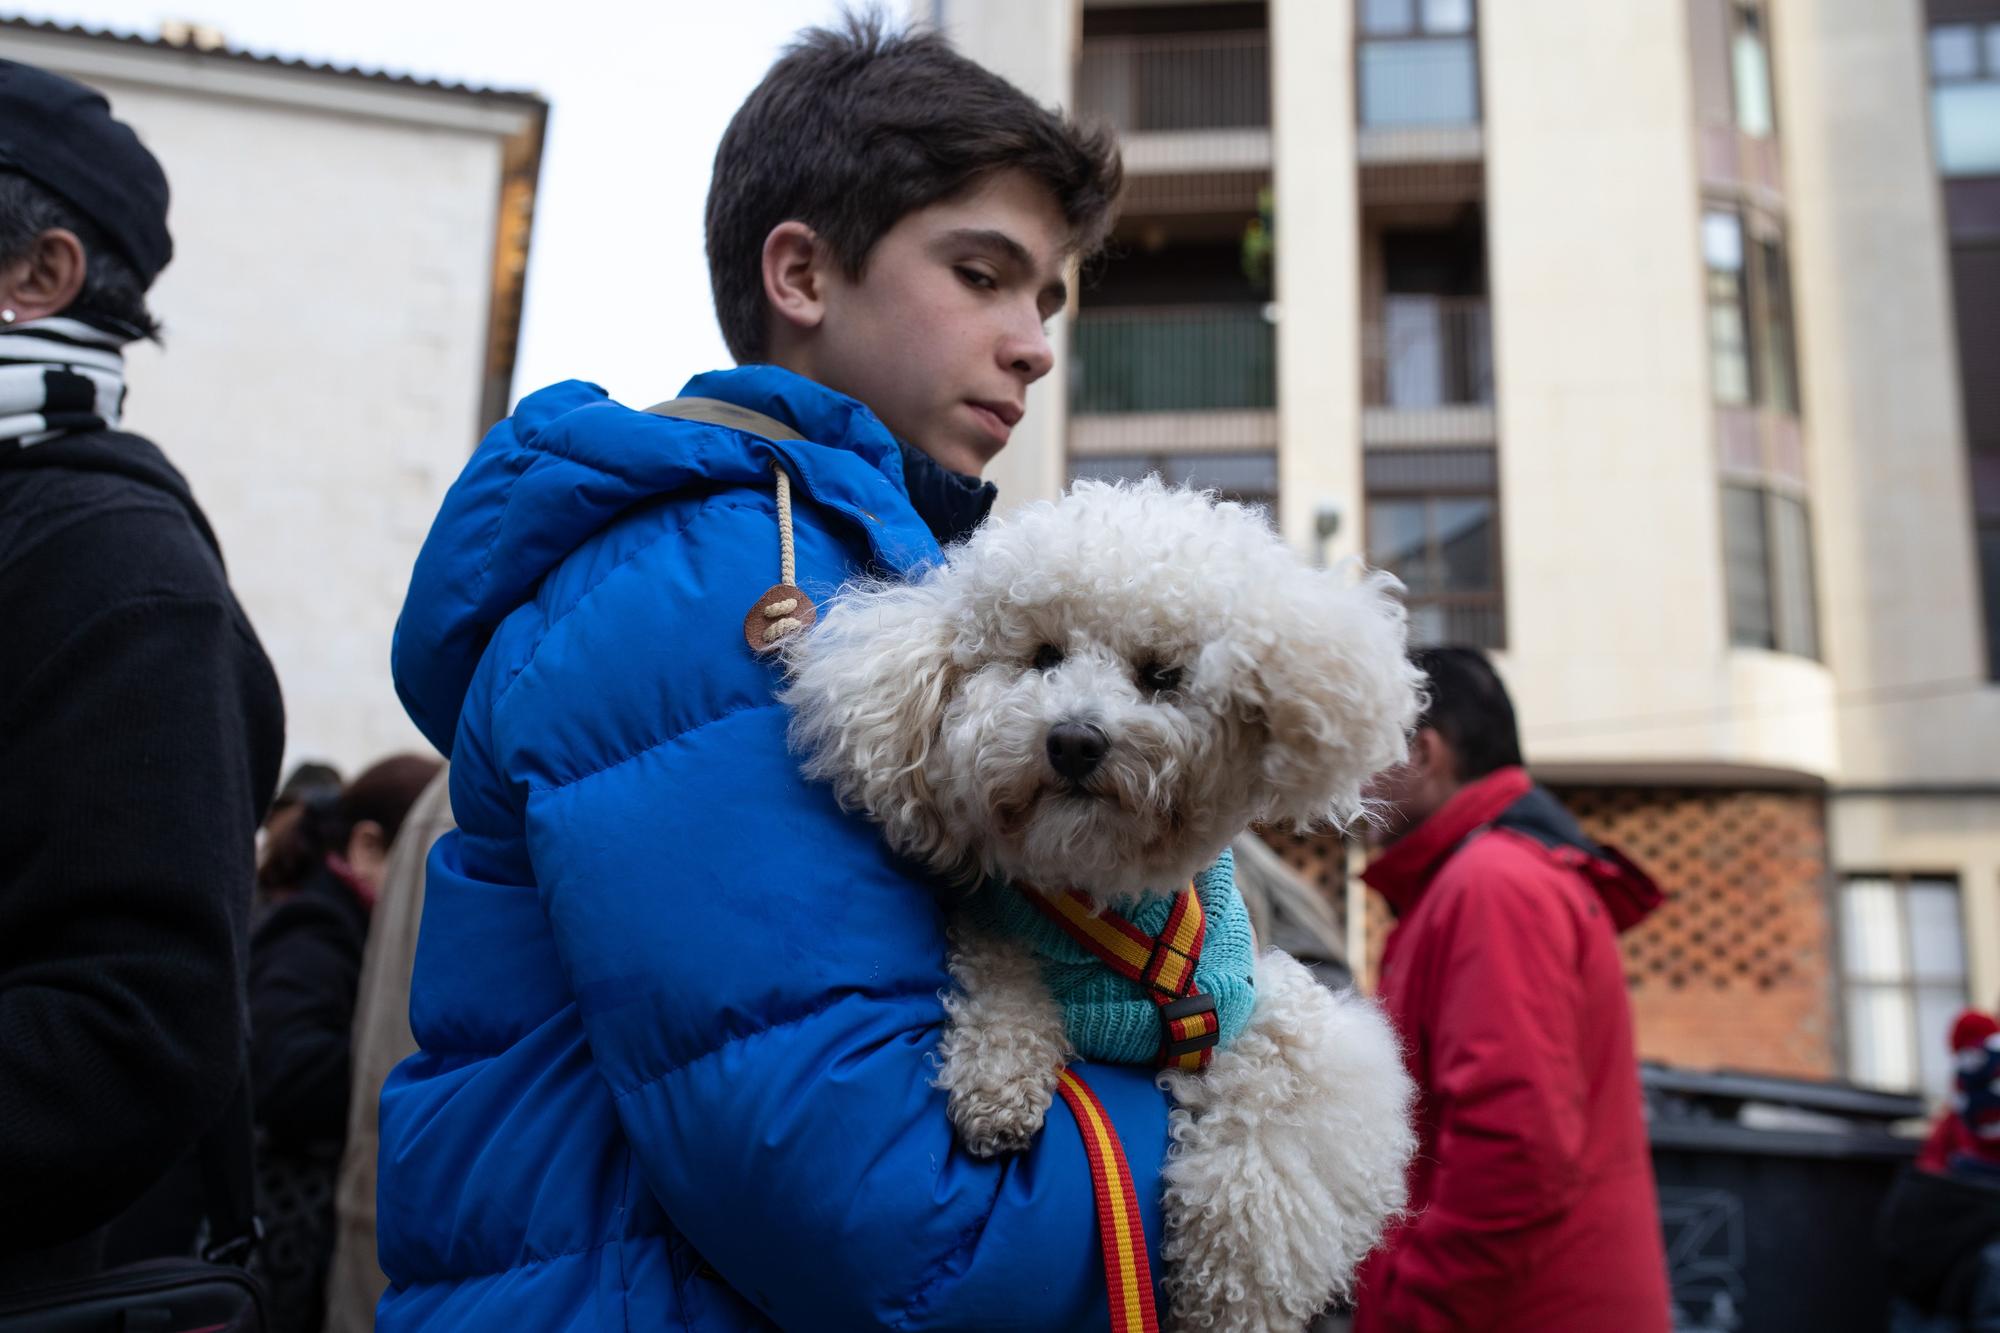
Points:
[(62, 136)]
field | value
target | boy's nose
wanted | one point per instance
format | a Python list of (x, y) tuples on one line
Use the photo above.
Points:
[(1029, 354)]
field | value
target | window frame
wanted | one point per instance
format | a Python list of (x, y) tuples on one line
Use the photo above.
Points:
[(1779, 601), (1493, 600), (1418, 31), (1907, 982)]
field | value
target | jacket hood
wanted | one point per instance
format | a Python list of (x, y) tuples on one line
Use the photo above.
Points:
[(1508, 799), (116, 453), (570, 461)]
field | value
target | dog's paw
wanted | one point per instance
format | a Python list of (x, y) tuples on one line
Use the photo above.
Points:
[(997, 1119)]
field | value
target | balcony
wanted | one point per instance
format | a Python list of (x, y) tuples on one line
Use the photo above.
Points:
[(1175, 378), (1198, 102), (1427, 371)]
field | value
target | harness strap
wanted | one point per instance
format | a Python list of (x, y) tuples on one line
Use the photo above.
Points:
[(1121, 1232), (1163, 966)]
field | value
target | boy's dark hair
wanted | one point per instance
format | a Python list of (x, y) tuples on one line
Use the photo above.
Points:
[(852, 129), (1467, 704)]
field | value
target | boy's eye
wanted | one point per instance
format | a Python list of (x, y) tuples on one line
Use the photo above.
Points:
[(973, 277), (1048, 657), (1159, 677)]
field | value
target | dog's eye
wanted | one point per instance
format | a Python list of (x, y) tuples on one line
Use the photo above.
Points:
[(1048, 657), (1158, 677)]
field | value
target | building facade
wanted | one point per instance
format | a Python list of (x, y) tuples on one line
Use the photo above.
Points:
[(1655, 348), (340, 321)]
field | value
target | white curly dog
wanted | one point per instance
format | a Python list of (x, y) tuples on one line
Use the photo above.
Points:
[(1097, 694)]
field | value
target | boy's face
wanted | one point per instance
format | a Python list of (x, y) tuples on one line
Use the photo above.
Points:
[(944, 330)]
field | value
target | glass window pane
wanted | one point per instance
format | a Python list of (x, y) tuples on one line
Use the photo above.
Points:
[(1937, 941), (1993, 50), (1792, 574), (1413, 347), (1967, 117), (1722, 241), (1871, 931), (1465, 544), (1878, 1037), (1447, 16), (1989, 566), (1954, 52), (1746, 568), (1387, 17), (1752, 70), (1937, 1006), (1728, 343), (1780, 358), (1428, 81), (1398, 541)]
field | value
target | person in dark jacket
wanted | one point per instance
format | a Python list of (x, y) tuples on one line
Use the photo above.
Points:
[(140, 723), (1940, 1226), (1531, 1196), (321, 875)]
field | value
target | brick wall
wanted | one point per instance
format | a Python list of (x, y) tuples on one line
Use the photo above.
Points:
[(1737, 969)]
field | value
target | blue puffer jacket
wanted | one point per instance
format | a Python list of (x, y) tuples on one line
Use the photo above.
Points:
[(676, 1010)]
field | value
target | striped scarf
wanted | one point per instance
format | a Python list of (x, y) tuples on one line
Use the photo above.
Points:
[(57, 375)]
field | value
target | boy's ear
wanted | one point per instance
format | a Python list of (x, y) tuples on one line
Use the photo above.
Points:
[(794, 285)]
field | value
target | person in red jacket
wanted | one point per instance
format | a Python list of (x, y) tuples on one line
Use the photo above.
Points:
[(1531, 1196)]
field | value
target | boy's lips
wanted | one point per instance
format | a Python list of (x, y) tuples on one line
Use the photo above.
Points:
[(999, 418)]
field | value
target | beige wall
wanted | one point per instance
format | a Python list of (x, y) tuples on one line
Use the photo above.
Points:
[(1898, 587), (1612, 548), (1317, 223), (325, 319), (1034, 46)]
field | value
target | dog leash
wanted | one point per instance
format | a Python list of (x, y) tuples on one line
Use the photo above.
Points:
[(1121, 1232)]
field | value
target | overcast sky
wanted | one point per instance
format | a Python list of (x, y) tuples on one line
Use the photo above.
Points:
[(640, 91)]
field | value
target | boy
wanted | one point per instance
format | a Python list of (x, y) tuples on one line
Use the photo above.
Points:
[(676, 1009)]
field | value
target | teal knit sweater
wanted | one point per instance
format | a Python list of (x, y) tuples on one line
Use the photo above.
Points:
[(1108, 1017)]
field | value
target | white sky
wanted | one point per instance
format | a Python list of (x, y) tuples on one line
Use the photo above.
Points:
[(640, 93)]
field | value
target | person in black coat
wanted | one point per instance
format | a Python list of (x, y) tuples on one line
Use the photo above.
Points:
[(321, 874), (141, 727)]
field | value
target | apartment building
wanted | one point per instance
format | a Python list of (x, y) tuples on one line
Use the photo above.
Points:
[(1657, 348)]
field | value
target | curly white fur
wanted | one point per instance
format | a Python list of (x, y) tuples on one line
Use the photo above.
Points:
[(1287, 1158), (1004, 1045), (921, 703), (1233, 684)]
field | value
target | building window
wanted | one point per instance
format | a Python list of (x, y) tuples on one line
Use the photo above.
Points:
[(1432, 521), (1419, 63), (1750, 71), (1768, 571), (1965, 97), (1902, 979), (1728, 306), (1752, 357), (1247, 478)]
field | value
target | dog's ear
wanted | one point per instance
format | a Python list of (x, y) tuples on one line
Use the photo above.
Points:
[(1333, 689), (867, 688)]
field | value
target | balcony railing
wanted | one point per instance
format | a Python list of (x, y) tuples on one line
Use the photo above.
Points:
[(1429, 352), (1173, 359), (1204, 81)]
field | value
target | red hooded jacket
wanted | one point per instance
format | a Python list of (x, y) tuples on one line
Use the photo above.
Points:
[(1531, 1197)]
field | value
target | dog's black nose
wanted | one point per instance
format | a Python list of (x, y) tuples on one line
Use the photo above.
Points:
[(1076, 749)]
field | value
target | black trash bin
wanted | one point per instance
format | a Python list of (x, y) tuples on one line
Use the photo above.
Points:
[(1769, 1189)]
